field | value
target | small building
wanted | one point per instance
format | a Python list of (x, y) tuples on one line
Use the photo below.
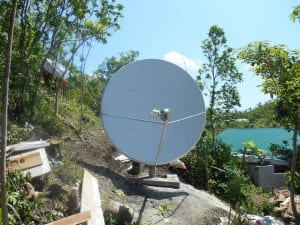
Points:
[(262, 137), (271, 174)]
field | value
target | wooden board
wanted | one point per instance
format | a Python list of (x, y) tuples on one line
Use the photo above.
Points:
[(73, 219), (42, 169), (25, 146), (90, 199), (36, 167), (24, 161)]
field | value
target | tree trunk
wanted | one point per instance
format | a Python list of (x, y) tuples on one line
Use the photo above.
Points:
[(292, 185), (244, 160), (4, 113), (206, 173), (57, 87), (212, 109), (58, 84), (229, 215), (23, 67)]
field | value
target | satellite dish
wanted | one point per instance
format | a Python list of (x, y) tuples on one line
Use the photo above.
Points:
[(153, 111)]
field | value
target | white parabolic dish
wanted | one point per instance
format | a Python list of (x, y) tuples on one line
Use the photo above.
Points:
[(131, 95)]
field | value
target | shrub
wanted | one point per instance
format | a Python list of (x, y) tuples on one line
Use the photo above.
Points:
[(69, 171), (17, 133), (24, 210)]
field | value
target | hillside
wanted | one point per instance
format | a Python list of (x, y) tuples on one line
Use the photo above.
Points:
[(151, 205), (82, 143)]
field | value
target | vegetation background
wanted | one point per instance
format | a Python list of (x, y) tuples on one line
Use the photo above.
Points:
[(58, 29)]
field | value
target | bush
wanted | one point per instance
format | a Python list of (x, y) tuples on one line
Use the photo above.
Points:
[(206, 164), (213, 167), (68, 171), (21, 209), (17, 133)]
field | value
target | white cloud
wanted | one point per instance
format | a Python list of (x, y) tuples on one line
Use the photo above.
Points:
[(190, 65)]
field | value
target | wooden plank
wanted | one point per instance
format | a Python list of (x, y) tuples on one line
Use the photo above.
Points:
[(42, 169), (25, 146), (90, 199), (24, 161), (39, 169), (73, 219)]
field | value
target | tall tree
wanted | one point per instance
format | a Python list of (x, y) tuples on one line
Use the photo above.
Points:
[(280, 70), (52, 29), (5, 90), (113, 64), (93, 86), (295, 14), (219, 77)]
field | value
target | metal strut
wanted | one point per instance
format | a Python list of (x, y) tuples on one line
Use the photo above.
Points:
[(164, 115)]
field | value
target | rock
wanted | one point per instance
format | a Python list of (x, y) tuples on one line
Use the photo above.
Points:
[(121, 213), (135, 169), (32, 194), (73, 202), (178, 164)]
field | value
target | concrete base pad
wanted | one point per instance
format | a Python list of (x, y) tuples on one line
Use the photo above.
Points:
[(170, 181)]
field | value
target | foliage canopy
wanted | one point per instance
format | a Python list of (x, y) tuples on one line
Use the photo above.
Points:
[(219, 77), (50, 29)]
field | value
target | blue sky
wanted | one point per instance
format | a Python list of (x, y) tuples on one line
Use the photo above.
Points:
[(174, 29)]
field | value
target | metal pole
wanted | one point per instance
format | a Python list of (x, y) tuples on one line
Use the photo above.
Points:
[(164, 115)]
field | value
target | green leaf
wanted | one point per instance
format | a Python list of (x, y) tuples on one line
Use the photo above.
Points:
[(14, 211)]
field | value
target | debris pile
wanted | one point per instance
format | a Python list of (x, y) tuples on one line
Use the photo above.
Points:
[(282, 202)]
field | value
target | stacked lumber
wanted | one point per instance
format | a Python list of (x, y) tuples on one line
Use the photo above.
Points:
[(31, 157), (24, 161), (28, 157), (25, 146)]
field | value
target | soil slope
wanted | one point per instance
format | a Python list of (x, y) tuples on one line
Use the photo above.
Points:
[(151, 205)]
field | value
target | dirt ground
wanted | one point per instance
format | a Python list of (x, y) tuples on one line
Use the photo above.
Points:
[(151, 205)]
